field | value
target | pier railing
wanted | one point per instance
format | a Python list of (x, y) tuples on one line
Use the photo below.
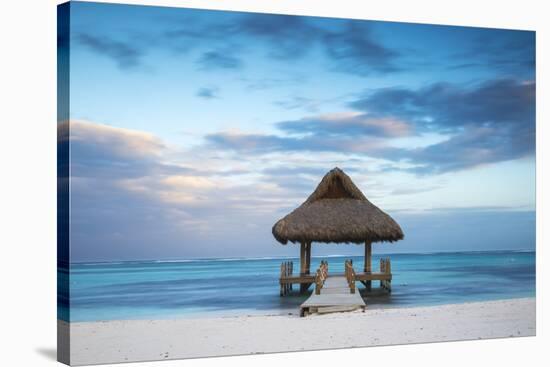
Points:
[(286, 271), (320, 276), (350, 275), (385, 267)]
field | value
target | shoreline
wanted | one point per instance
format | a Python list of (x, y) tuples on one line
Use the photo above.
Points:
[(286, 312), (98, 342)]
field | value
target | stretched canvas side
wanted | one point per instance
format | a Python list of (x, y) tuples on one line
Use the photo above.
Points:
[(63, 212)]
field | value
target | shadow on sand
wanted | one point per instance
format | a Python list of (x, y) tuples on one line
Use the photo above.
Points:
[(49, 353)]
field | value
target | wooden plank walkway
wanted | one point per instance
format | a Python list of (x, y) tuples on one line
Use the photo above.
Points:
[(335, 297)]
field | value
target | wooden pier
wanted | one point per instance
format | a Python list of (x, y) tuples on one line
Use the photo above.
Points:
[(288, 278), (334, 292), (334, 296)]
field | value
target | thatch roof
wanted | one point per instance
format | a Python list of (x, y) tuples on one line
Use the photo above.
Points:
[(337, 211)]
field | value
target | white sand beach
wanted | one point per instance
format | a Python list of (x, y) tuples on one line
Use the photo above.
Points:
[(144, 340)]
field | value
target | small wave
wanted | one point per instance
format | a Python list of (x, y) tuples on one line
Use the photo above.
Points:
[(103, 263), (171, 261), (254, 258)]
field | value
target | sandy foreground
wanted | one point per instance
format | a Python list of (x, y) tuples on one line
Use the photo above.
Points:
[(145, 340)]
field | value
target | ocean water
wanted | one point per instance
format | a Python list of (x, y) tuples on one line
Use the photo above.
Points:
[(223, 287)]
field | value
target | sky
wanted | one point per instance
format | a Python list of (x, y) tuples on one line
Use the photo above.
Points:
[(193, 131)]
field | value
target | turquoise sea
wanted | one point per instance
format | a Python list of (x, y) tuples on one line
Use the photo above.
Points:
[(220, 287)]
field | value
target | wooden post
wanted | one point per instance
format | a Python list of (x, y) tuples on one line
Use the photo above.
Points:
[(388, 270), (302, 258), (382, 271), (368, 263), (281, 293), (291, 272), (308, 257), (303, 269), (318, 282), (368, 257), (350, 275), (287, 273)]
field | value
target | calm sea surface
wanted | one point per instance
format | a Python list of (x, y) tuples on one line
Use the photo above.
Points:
[(202, 288)]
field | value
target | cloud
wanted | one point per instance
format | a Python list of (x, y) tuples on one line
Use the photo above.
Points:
[(103, 151), (126, 55), (121, 142), (446, 106), (508, 51), (282, 36), (356, 47), (305, 103), (408, 190), (349, 45), (108, 222), (298, 171), (195, 182), (341, 133), (310, 105), (133, 196), (269, 143), (219, 60), (473, 147), (115, 210), (486, 123), (225, 40), (482, 209), (338, 133), (239, 141), (208, 92), (285, 36), (347, 124), (354, 50), (130, 201)]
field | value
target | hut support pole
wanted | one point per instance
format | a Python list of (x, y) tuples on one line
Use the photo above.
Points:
[(308, 257), (368, 263), (304, 264), (302, 258)]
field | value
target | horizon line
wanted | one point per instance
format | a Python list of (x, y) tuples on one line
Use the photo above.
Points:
[(267, 257)]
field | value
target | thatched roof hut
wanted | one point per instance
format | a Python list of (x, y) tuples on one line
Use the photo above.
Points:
[(337, 211)]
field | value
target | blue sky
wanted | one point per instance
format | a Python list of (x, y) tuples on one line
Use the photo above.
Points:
[(193, 131)]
